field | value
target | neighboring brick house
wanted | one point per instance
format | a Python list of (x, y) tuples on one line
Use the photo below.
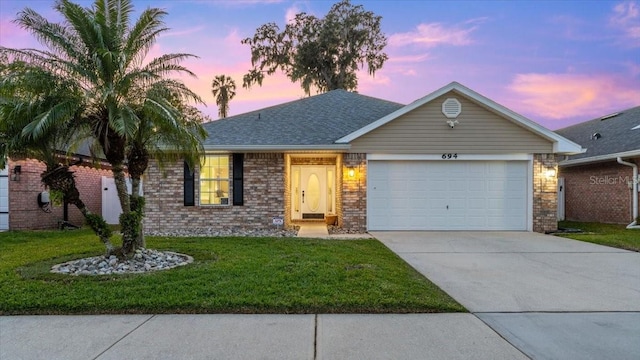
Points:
[(20, 185), (598, 188), (453, 160)]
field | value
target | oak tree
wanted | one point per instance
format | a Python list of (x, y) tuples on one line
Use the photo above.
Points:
[(324, 52)]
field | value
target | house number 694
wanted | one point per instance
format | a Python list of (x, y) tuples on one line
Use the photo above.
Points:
[(449, 156)]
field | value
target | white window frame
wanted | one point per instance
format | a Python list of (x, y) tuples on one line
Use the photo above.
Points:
[(222, 200)]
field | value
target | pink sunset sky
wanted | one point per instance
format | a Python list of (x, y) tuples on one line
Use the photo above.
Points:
[(555, 62)]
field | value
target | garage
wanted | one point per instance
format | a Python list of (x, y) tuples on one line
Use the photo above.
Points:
[(4, 199), (447, 195)]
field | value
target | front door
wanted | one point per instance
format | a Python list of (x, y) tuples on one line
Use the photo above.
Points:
[(312, 191)]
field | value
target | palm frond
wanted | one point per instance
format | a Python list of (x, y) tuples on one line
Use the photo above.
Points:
[(55, 36), (144, 34), (81, 23), (44, 122)]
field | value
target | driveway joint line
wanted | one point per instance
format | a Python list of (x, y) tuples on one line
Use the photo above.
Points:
[(513, 252), (124, 336), (559, 312), (502, 337), (315, 338)]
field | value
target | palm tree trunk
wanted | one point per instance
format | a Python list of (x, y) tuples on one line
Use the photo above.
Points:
[(135, 198), (129, 221), (102, 232), (60, 178), (121, 187)]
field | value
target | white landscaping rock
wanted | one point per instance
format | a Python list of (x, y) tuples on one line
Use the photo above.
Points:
[(236, 231), (143, 261)]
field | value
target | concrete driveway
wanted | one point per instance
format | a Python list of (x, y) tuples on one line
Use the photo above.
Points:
[(550, 297)]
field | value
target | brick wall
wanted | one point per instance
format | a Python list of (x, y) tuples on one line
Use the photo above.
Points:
[(263, 197), (545, 193), (24, 212), (353, 208), (598, 192), (266, 195)]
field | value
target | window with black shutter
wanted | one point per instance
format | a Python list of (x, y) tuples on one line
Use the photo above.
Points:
[(189, 186), (238, 179)]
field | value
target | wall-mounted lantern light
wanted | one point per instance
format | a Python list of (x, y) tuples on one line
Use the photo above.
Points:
[(17, 170), (351, 172), (550, 173)]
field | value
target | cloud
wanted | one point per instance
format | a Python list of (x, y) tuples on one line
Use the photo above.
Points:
[(634, 68), (291, 13), (626, 17), (409, 58), (257, 1), (367, 82), (434, 34), (562, 96), (189, 31), (236, 2)]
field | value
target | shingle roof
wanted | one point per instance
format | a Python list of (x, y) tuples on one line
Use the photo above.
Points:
[(615, 134), (317, 120)]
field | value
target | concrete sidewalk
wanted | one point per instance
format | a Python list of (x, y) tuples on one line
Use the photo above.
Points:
[(335, 336)]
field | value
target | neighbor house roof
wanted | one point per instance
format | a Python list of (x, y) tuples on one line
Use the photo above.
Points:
[(606, 138), (311, 123), (560, 144)]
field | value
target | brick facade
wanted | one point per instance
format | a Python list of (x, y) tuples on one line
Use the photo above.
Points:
[(267, 194), (354, 193), (545, 193), (599, 192), (24, 212), (264, 193)]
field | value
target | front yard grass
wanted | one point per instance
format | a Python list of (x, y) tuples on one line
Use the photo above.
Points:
[(604, 234), (228, 275)]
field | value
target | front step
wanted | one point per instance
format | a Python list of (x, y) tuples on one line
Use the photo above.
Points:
[(313, 230)]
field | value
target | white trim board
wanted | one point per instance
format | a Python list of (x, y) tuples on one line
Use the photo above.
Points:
[(599, 158), (460, 157)]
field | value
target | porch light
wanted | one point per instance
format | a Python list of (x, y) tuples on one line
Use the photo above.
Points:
[(351, 172), (17, 170), (550, 173)]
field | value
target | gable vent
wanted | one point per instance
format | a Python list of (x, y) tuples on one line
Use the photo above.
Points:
[(451, 108)]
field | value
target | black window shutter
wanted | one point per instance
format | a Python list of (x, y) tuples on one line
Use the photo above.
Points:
[(238, 175), (189, 186)]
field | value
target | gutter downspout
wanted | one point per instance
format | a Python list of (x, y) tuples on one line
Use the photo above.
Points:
[(634, 224)]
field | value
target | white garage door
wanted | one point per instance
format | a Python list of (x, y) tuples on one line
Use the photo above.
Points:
[(447, 195), (4, 200)]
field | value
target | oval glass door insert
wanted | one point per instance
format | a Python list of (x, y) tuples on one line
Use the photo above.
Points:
[(313, 192)]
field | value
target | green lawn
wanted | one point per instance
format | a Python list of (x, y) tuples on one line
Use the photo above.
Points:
[(228, 275), (604, 234)]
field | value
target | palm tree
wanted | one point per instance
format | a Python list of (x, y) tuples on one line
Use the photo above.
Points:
[(23, 98), (224, 90), (104, 58), (165, 142)]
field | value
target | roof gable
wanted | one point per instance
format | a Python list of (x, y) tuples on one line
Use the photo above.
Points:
[(470, 129), (560, 144)]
